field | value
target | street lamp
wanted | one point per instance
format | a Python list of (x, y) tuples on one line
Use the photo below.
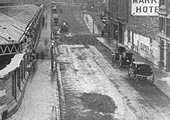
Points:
[(52, 55), (83, 13)]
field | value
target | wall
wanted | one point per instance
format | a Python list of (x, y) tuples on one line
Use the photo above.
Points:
[(147, 26), (145, 46)]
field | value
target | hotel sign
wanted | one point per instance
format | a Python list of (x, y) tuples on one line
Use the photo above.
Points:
[(144, 7)]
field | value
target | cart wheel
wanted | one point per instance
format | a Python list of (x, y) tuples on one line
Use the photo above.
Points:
[(137, 80), (113, 59), (153, 79)]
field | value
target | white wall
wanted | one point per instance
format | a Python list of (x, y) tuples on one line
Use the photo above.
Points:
[(143, 46)]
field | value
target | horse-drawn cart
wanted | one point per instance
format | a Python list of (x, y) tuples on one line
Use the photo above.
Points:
[(141, 71), (121, 56)]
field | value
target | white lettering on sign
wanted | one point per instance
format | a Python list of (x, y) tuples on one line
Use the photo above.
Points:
[(144, 7)]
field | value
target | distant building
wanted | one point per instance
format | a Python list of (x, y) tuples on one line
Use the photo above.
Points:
[(136, 25), (164, 33)]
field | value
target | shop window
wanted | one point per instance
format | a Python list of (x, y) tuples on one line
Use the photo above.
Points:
[(25, 64), (14, 91), (18, 79), (161, 2), (161, 24), (21, 71), (151, 40)]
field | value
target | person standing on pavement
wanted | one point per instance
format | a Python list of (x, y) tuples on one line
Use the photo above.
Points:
[(102, 32)]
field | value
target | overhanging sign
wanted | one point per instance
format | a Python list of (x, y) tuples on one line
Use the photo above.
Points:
[(144, 7)]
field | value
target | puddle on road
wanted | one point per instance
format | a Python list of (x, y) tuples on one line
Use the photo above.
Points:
[(98, 102)]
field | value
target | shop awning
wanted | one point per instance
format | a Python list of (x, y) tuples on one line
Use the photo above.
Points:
[(15, 63)]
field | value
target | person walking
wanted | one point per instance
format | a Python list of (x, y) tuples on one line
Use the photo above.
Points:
[(102, 32)]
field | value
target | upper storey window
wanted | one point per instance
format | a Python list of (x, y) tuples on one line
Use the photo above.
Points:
[(161, 3)]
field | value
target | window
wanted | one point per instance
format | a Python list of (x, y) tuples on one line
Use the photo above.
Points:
[(162, 52), (162, 25), (168, 28), (161, 2), (18, 79)]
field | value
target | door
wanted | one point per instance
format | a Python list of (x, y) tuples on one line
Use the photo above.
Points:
[(168, 58), (120, 33), (161, 53)]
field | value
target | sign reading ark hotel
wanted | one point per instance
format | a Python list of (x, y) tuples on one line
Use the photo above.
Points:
[(144, 7)]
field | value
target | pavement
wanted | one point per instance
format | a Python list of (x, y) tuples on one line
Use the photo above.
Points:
[(41, 98), (162, 78)]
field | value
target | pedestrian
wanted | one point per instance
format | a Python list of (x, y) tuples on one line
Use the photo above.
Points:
[(42, 54), (102, 33)]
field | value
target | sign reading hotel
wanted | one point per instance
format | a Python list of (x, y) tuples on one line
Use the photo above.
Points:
[(144, 7)]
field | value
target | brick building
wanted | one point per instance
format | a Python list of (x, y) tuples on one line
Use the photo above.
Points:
[(164, 33), (137, 31)]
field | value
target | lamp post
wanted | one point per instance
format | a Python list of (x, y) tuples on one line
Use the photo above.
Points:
[(52, 55), (93, 24)]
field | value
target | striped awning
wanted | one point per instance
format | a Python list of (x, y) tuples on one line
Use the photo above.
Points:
[(15, 63)]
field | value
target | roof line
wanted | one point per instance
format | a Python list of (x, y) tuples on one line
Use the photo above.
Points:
[(5, 38), (17, 28)]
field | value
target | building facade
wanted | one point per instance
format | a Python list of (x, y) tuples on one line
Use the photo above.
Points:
[(136, 28), (164, 34), (118, 18), (19, 34)]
